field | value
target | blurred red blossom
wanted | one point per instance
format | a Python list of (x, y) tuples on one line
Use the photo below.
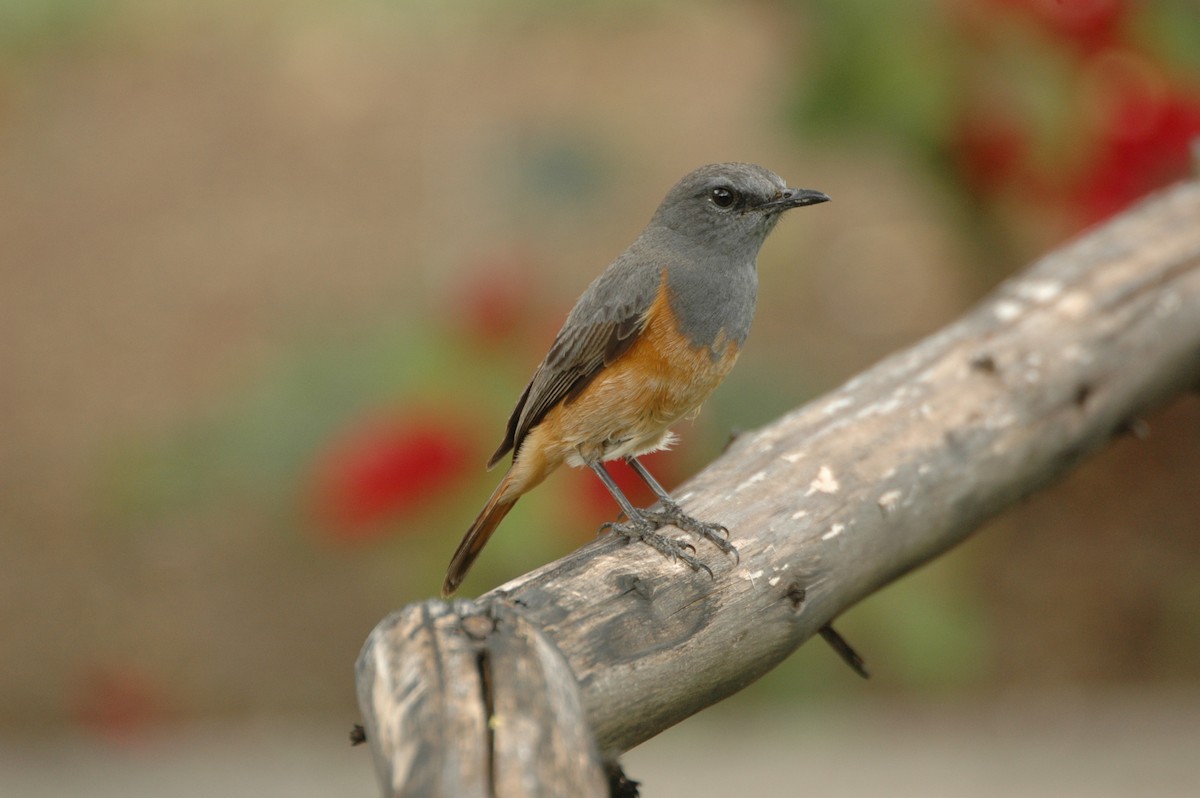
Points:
[(385, 468), (1123, 125), (1142, 141), (493, 299), (991, 150), (118, 702), (1090, 25)]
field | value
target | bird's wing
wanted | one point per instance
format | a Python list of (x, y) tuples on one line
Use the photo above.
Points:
[(604, 323)]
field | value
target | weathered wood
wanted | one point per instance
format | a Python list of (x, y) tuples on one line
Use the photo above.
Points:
[(842, 496), (543, 741), (469, 702), (830, 502)]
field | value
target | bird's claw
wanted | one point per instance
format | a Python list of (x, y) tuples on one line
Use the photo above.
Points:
[(647, 532), (673, 515), (646, 526)]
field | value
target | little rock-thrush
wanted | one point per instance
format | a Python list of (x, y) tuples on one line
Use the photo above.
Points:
[(644, 346)]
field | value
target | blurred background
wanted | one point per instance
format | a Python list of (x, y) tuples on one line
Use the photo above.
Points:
[(272, 276)]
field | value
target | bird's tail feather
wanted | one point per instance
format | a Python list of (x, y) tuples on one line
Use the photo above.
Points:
[(477, 536)]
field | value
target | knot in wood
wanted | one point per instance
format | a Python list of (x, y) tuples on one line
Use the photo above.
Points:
[(796, 594), (478, 627)]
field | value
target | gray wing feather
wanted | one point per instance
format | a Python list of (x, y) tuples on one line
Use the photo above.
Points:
[(604, 323)]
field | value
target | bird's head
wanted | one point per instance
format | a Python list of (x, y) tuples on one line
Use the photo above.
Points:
[(730, 206)]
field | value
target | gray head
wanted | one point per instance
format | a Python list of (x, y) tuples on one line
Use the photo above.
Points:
[(730, 206)]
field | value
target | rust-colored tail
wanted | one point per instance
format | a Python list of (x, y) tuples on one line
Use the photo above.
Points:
[(477, 536)]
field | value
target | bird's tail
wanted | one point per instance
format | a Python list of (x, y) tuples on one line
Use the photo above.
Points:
[(501, 501)]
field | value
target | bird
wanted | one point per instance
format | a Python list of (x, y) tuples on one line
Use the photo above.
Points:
[(645, 344)]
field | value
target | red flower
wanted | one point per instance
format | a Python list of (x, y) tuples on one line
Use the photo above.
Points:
[(118, 702), (387, 468), (991, 149), (494, 298), (1143, 143), (1092, 25)]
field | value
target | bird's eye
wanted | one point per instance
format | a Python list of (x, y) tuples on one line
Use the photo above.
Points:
[(723, 197)]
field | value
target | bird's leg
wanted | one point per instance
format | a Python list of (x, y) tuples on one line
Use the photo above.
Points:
[(671, 513), (638, 527)]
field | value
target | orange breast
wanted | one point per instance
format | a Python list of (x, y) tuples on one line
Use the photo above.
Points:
[(665, 374), (628, 408)]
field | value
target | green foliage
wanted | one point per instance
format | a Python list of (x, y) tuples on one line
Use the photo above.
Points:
[(877, 66), (27, 25), (260, 443)]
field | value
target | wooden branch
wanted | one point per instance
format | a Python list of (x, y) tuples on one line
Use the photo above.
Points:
[(840, 497), (477, 703)]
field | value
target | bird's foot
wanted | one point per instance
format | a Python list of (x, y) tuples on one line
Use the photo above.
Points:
[(646, 530), (673, 515)]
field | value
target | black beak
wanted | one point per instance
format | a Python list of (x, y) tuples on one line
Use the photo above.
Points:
[(796, 197)]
